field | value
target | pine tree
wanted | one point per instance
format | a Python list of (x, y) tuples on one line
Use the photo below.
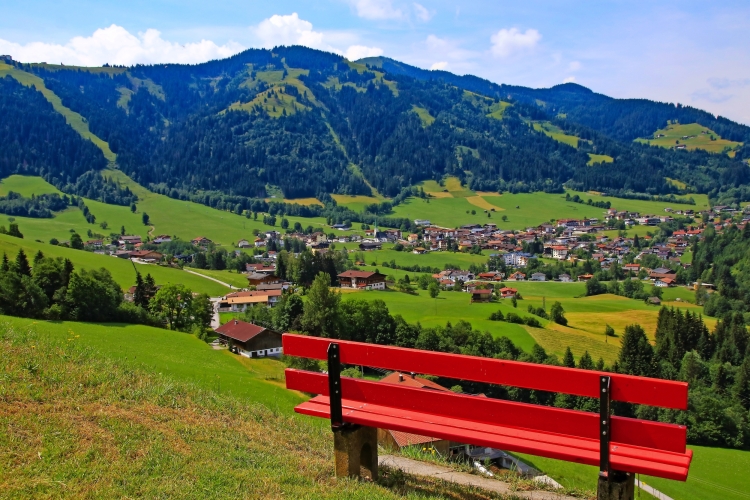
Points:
[(568, 359), (38, 257), (586, 362), (22, 264), (139, 297), (636, 353), (5, 266), (741, 389)]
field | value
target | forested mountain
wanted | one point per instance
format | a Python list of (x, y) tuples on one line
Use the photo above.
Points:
[(304, 123)]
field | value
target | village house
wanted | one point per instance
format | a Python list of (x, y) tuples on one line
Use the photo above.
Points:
[(664, 282), (255, 279), (481, 295), (517, 276), (162, 238), (146, 255), (508, 293), (130, 240), (565, 278), (96, 244), (362, 280), (367, 246), (517, 259), (538, 277), (249, 340), (244, 244), (585, 277), (239, 301), (559, 252), (201, 242)]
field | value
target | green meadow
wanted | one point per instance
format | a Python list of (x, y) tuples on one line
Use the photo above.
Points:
[(186, 220), (699, 138), (715, 474), (594, 159), (122, 269), (179, 355), (424, 115), (556, 133)]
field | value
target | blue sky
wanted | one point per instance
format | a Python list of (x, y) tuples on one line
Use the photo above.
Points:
[(693, 52)]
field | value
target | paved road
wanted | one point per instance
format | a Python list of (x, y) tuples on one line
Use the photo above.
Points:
[(417, 468)]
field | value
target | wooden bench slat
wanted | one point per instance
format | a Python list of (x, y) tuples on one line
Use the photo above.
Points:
[(638, 390), (623, 457), (489, 411)]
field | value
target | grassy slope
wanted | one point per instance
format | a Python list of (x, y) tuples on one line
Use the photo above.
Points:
[(675, 132), (534, 208), (80, 423), (594, 159), (76, 121), (715, 474), (186, 220), (556, 133), (449, 306), (121, 269), (424, 115)]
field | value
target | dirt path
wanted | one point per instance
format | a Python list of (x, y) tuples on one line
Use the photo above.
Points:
[(209, 278), (417, 468)]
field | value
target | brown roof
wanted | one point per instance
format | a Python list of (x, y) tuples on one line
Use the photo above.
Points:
[(482, 291), (358, 274), (407, 380), (264, 293), (240, 330), (407, 438)]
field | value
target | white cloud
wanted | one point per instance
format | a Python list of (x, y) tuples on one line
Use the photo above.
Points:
[(115, 45), (291, 30), (376, 9), (574, 66), (422, 13), (288, 30), (360, 51), (726, 83), (442, 65), (570, 79), (508, 41)]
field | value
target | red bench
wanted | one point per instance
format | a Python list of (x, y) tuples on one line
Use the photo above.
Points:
[(620, 446)]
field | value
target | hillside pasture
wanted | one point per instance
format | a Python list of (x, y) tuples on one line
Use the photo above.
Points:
[(424, 115), (122, 270), (497, 110), (693, 136), (594, 159), (556, 133), (183, 219), (355, 202)]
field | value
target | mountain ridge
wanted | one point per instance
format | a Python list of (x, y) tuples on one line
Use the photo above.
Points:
[(295, 119)]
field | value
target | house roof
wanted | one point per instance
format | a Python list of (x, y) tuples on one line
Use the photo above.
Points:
[(259, 293), (407, 380), (407, 438), (482, 291), (358, 274), (240, 330), (258, 276)]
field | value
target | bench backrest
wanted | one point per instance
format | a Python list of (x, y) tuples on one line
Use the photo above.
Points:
[(527, 422), (578, 382)]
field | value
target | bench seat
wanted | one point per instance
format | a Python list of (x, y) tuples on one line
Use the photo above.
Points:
[(624, 457)]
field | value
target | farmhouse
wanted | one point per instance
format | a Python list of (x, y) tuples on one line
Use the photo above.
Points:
[(585, 277), (565, 278), (538, 277), (146, 255), (249, 340), (508, 293), (362, 280), (365, 246), (559, 252), (255, 279), (162, 238), (481, 295), (239, 301), (244, 244), (517, 276), (201, 241)]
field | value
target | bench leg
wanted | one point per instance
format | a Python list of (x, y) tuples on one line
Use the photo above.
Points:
[(618, 486), (356, 452)]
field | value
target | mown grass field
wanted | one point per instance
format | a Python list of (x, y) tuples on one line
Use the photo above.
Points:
[(183, 219), (355, 202), (432, 259), (80, 420), (675, 132), (237, 280), (715, 474), (122, 270), (449, 205)]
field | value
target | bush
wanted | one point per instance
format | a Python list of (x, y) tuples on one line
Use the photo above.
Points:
[(497, 316), (532, 322), (514, 318)]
